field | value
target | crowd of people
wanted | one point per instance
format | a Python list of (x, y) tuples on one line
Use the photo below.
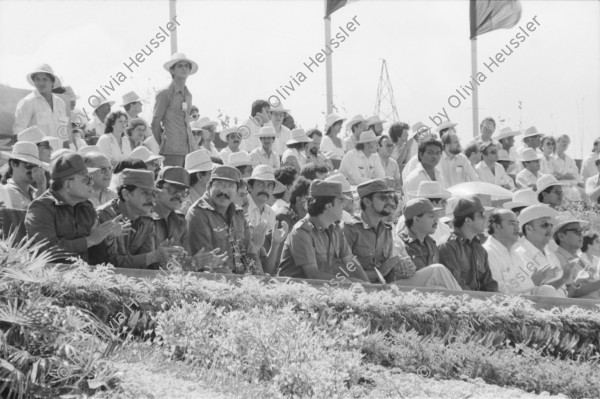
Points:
[(350, 202)]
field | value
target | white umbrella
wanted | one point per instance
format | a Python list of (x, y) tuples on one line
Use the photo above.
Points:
[(479, 188)]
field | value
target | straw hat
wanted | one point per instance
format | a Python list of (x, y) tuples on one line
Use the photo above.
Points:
[(416, 128), (144, 154), (266, 173), (298, 136), (356, 119), (175, 58), (367, 137), (203, 123), (266, 131), (25, 151), (566, 218), (374, 120), (226, 132), (198, 161), (531, 131), (331, 119), (529, 154), (111, 103), (545, 181), (523, 197), (506, 132), (279, 108), (445, 125), (240, 158), (129, 98), (33, 134), (44, 68), (534, 212)]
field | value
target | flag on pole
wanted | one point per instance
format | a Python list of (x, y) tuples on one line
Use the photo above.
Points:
[(333, 5), (489, 15)]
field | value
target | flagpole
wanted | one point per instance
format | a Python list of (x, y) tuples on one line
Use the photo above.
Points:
[(328, 65), (475, 96), (173, 14)]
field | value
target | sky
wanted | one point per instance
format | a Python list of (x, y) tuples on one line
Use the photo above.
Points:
[(246, 50)]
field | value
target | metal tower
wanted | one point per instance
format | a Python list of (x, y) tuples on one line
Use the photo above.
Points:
[(385, 105)]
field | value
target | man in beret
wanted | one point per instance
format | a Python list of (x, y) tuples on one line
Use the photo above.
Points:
[(462, 253), (139, 249), (316, 247), (63, 216), (215, 222)]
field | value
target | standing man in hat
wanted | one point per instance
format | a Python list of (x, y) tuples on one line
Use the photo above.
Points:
[(169, 224), (527, 178), (430, 153), (64, 217), (454, 165), (316, 247), (42, 108), (215, 222), (139, 249), (531, 139), (463, 253), (355, 126), (24, 169), (295, 154), (132, 105), (260, 115), (233, 138), (265, 154), (362, 163), (170, 121), (542, 267), (282, 133)]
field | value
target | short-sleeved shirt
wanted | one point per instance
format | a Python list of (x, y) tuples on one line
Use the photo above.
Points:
[(468, 262), (209, 229), (34, 110), (129, 250), (372, 245), (525, 179), (260, 157), (309, 243), (255, 216), (423, 253), (18, 198), (358, 168), (178, 139), (64, 226), (110, 147), (100, 198), (457, 169)]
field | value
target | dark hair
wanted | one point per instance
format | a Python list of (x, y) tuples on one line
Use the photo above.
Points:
[(362, 204), (298, 146), (195, 177), (431, 142), (286, 175), (490, 119), (547, 190), (300, 189), (395, 131), (383, 136), (9, 172), (316, 205), (495, 218), (353, 127), (129, 163), (128, 187), (216, 160), (588, 239), (359, 146), (310, 170), (111, 118), (459, 221), (311, 132), (443, 131), (336, 123), (194, 108), (288, 121), (257, 106), (242, 168), (485, 149), (409, 222), (133, 123), (471, 148), (57, 184), (548, 137)]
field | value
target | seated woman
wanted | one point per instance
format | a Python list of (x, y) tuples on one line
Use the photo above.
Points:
[(114, 143)]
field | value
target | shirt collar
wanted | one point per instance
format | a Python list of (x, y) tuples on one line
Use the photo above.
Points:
[(176, 88), (565, 253), (315, 222), (462, 238)]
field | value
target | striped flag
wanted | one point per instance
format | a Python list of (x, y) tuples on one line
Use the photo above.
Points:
[(333, 5), (489, 15)]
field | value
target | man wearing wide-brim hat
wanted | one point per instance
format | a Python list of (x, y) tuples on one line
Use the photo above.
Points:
[(265, 154), (295, 154), (375, 124), (543, 271), (362, 163), (355, 127), (25, 169), (568, 233), (316, 247), (282, 132), (521, 199), (63, 218), (549, 190), (242, 161), (34, 134), (171, 116), (531, 139), (216, 223), (261, 185), (199, 166), (527, 178), (43, 109), (506, 138), (446, 126), (233, 138), (132, 103)]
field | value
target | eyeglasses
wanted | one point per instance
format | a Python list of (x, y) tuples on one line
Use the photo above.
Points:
[(178, 191), (87, 179), (578, 231), (546, 225), (386, 197), (106, 170), (30, 166)]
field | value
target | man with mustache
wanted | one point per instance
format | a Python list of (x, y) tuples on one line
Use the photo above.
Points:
[(140, 248), (233, 138), (24, 169), (265, 153), (101, 178), (261, 185), (455, 165), (215, 222), (174, 185), (313, 151)]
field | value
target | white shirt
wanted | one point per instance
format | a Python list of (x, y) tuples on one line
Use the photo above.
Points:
[(97, 125), (414, 178), (358, 168), (260, 157), (281, 138), (457, 170), (255, 216), (532, 259), (292, 152), (499, 176), (588, 166), (566, 165), (213, 149), (592, 183), (504, 264), (547, 165), (34, 110), (525, 178), (224, 154), (5, 197), (280, 206), (251, 142), (392, 170), (110, 147), (151, 144), (330, 150), (410, 166), (349, 143), (80, 143)]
